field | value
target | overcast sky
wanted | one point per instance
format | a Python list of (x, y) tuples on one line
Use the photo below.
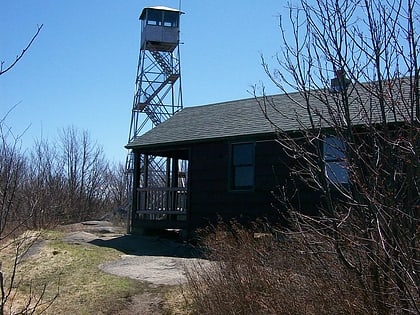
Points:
[(81, 69)]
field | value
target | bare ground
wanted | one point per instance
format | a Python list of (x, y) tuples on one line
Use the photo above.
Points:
[(159, 260), (143, 304)]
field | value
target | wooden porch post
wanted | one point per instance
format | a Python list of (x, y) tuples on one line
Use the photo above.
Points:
[(175, 173), (135, 185), (146, 171), (145, 179), (174, 183), (168, 194)]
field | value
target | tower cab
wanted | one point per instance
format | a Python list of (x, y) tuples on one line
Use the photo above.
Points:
[(159, 28)]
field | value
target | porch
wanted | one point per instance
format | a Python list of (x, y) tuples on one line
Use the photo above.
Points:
[(161, 208), (160, 197), (167, 203)]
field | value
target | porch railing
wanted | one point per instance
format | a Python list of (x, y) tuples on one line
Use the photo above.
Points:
[(162, 203)]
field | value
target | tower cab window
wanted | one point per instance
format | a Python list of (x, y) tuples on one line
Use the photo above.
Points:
[(154, 17), (171, 19), (165, 18)]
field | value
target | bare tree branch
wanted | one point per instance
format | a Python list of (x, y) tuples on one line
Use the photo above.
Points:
[(372, 217), (19, 57)]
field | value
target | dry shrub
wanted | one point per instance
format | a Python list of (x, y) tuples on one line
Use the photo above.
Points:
[(258, 273)]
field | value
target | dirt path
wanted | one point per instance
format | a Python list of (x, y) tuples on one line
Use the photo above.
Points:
[(143, 304)]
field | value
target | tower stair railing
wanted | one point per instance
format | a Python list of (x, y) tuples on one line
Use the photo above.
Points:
[(166, 67), (141, 105)]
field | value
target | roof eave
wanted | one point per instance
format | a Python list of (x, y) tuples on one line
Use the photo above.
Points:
[(166, 145), (161, 8)]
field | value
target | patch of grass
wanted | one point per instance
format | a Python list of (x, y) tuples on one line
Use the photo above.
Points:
[(177, 301), (72, 271)]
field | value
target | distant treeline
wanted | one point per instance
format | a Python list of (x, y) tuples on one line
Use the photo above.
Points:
[(56, 182)]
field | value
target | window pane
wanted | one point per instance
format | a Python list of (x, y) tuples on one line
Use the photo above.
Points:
[(154, 17), (171, 19), (334, 149), (244, 176), (337, 172), (243, 165), (243, 154)]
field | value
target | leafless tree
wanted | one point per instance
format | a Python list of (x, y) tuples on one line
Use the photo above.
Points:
[(117, 191), (13, 220), (360, 149), (44, 186), (12, 173), (12, 160), (85, 169)]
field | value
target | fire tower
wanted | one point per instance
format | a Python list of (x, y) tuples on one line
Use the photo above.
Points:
[(158, 93)]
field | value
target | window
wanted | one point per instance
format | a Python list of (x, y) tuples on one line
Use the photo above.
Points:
[(154, 17), (335, 160), (171, 19), (242, 166)]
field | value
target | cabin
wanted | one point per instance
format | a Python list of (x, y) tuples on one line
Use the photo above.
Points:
[(231, 163), (223, 161)]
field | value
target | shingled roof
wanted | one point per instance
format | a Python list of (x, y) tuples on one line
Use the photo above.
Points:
[(208, 122), (249, 117)]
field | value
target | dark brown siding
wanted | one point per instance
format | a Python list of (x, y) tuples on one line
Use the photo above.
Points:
[(210, 194)]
